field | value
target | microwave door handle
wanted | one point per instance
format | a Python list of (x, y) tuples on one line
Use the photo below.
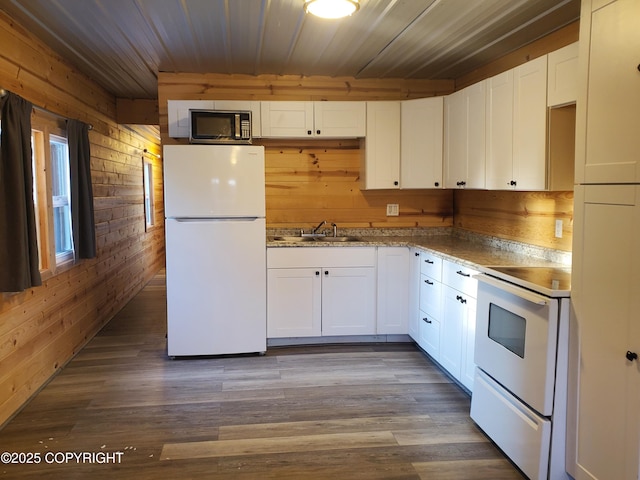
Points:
[(513, 289), (237, 127)]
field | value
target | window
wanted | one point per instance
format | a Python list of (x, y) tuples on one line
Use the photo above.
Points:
[(51, 192), (149, 204), (61, 199)]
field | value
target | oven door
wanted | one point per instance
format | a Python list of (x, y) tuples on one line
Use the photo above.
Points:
[(516, 339)]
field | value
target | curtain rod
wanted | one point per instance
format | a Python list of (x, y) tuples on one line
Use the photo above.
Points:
[(4, 92)]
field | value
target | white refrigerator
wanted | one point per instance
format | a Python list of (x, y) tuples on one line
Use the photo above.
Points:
[(215, 249)]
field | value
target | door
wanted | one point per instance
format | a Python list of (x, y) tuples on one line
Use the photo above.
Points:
[(500, 131), (348, 301), (204, 181), (340, 119), (516, 341), (613, 96), (382, 146), (294, 302), (287, 119), (606, 301), (530, 125), (421, 143), (216, 286)]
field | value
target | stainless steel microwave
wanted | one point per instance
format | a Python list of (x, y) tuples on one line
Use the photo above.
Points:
[(219, 126)]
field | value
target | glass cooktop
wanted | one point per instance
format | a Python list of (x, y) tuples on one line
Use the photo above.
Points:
[(550, 281)]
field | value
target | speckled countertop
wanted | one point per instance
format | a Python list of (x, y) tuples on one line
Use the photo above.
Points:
[(449, 243)]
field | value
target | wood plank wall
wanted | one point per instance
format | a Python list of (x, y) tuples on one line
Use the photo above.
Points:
[(42, 328)]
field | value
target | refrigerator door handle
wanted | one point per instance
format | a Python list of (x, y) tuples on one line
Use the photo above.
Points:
[(214, 219)]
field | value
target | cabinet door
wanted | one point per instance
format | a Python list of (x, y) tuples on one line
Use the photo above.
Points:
[(530, 125), (381, 163), (465, 118), (293, 302), (500, 131), (430, 335), (605, 302), (287, 119), (348, 301), (393, 290), (456, 140), (340, 119), (476, 134), (452, 330), (613, 95), (414, 294), (467, 364), (421, 143), (562, 76)]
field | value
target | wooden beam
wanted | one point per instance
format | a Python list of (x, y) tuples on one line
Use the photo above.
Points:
[(137, 111)]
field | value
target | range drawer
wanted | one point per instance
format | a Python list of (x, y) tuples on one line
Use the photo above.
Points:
[(522, 434), (460, 277), (431, 265)]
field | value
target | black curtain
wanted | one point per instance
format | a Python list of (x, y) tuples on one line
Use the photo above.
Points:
[(19, 264), (82, 221)]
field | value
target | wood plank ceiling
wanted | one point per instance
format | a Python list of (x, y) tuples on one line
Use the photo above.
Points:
[(123, 44)]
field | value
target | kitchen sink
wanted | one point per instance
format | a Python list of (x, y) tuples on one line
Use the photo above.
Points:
[(294, 239), (339, 239)]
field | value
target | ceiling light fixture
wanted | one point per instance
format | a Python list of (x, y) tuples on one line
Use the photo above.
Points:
[(331, 8)]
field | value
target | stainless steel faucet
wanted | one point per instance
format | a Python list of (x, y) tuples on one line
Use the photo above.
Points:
[(335, 229), (315, 230)]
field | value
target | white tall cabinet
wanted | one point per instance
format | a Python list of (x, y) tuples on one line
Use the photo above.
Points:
[(605, 391)]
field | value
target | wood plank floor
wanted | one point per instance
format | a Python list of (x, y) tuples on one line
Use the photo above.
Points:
[(323, 412)]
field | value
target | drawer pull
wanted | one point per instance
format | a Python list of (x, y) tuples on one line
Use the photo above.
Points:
[(428, 282), (461, 299), (430, 262), (426, 320), (460, 272)]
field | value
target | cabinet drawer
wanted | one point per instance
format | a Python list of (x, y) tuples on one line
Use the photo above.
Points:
[(460, 277), (431, 265), (429, 335), (430, 296)]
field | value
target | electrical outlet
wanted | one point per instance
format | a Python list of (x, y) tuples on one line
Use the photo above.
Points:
[(393, 210), (558, 228)]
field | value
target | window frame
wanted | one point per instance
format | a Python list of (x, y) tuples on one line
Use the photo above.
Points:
[(43, 127)]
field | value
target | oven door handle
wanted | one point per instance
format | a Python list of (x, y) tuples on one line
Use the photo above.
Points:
[(513, 289)]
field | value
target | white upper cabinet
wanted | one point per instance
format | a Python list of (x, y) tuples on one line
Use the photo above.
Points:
[(380, 149), (500, 131), (517, 128), (530, 125), (287, 119), (562, 76), (313, 119), (608, 143), (421, 136), (464, 137), (340, 119), (178, 113)]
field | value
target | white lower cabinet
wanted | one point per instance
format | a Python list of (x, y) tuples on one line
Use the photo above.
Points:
[(294, 302), (414, 294), (447, 315), (457, 337), (393, 290), (321, 291)]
